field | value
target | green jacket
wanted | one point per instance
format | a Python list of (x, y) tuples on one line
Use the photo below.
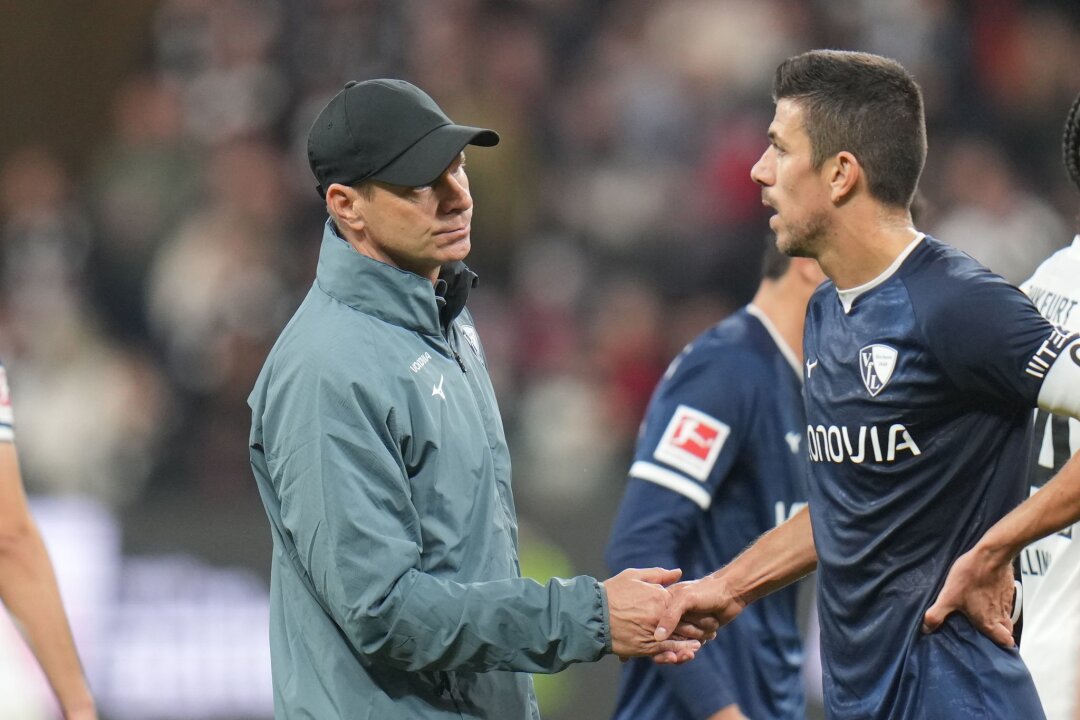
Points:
[(380, 457)]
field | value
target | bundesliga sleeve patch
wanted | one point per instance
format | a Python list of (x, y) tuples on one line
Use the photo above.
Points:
[(692, 442)]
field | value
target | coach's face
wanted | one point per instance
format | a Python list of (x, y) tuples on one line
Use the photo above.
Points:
[(791, 186), (418, 229)]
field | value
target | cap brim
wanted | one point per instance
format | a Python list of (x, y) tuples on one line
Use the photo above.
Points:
[(429, 156)]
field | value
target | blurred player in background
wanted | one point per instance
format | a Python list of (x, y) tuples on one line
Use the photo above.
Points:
[(380, 457), (1051, 566), (719, 462), (28, 585), (922, 368)]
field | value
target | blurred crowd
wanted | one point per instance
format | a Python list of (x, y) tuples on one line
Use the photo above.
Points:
[(614, 222)]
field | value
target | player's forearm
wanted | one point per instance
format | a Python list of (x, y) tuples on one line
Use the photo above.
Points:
[(29, 590), (778, 558), (1055, 506)]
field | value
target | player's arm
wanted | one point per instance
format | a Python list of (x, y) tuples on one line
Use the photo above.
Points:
[(29, 591), (777, 559), (980, 582), (671, 486)]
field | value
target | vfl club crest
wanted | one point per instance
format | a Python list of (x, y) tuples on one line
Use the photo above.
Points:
[(876, 364)]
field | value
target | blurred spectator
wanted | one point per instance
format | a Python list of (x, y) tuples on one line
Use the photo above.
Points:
[(993, 218), (144, 179)]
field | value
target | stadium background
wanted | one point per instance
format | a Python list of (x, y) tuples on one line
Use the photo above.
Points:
[(158, 224)]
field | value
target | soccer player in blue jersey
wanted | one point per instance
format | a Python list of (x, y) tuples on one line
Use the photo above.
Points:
[(720, 461), (921, 371)]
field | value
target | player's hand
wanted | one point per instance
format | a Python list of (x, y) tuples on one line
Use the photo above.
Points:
[(731, 712), (636, 599), (84, 713), (980, 586), (697, 600)]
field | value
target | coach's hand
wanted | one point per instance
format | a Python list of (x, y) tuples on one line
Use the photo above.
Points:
[(698, 602), (636, 600), (979, 585)]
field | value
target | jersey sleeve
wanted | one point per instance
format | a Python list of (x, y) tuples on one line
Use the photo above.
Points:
[(690, 437), (990, 339), (695, 424)]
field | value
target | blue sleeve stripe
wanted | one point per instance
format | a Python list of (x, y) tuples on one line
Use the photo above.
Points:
[(672, 481)]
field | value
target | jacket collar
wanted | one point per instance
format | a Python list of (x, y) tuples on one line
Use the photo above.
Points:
[(392, 295)]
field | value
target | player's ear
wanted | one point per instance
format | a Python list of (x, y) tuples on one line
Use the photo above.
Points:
[(843, 173), (343, 204)]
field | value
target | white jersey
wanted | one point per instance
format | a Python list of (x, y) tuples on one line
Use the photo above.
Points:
[(7, 433), (1051, 567)]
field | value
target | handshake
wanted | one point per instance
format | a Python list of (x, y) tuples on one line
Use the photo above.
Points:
[(652, 614)]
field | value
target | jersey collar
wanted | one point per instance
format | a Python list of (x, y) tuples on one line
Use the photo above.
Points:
[(784, 348), (848, 297)]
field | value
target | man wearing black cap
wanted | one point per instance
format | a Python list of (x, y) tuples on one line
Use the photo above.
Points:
[(379, 454)]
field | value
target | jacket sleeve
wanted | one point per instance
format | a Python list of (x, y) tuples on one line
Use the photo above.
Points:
[(345, 504)]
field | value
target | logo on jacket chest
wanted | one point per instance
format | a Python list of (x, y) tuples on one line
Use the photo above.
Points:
[(876, 365), (420, 362), (469, 333)]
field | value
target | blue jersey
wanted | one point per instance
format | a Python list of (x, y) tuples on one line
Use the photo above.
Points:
[(720, 461), (918, 388)]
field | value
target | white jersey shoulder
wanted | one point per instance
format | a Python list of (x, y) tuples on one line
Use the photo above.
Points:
[(1055, 291), (1050, 644), (7, 416)]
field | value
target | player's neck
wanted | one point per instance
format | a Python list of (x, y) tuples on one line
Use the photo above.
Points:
[(784, 303), (861, 251)]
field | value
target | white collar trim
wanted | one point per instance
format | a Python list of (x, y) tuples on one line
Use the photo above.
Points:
[(848, 297), (785, 349)]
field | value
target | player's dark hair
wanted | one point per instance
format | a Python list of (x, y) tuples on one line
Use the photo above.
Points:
[(865, 104), (773, 263), (1070, 144)]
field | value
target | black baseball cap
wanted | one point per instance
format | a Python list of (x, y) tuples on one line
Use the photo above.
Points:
[(386, 130)]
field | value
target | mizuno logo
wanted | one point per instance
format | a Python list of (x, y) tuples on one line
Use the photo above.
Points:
[(437, 390), (810, 367)]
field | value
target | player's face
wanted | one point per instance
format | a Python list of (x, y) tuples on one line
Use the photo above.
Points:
[(791, 186), (420, 228)]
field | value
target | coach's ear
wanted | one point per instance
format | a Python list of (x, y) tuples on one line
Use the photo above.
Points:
[(843, 173), (344, 204)]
